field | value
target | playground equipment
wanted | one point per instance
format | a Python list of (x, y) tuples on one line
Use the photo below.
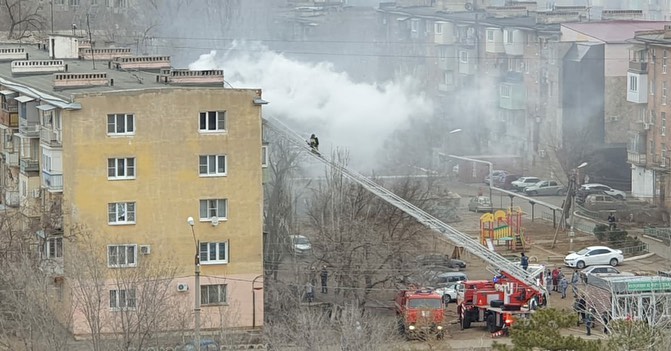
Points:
[(503, 228)]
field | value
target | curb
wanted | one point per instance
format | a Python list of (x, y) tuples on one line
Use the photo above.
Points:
[(639, 257)]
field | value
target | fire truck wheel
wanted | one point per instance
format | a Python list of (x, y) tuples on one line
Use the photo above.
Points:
[(465, 323), (491, 323), (533, 303)]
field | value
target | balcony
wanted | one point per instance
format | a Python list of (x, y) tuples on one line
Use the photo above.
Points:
[(638, 67), (53, 182), (512, 96), (29, 129), (50, 137), (9, 119), (637, 88), (636, 158), (28, 165), (11, 158)]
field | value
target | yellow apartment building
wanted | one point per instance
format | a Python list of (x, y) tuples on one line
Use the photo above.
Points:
[(108, 163)]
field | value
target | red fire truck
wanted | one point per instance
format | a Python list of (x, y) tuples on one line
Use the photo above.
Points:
[(420, 313), (498, 303)]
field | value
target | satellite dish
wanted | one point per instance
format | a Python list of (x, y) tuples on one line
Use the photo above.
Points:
[(468, 6), (215, 221)]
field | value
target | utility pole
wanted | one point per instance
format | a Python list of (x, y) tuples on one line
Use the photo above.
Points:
[(196, 308), (93, 59)]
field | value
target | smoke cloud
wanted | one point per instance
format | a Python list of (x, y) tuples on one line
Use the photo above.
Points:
[(315, 98)]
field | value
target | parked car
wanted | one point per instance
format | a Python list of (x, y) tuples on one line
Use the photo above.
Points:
[(449, 293), (447, 278), (523, 182), (594, 255), (496, 174), (505, 182), (603, 203), (441, 261), (205, 345), (545, 187), (300, 244), (581, 194), (480, 204), (586, 272), (618, 194)]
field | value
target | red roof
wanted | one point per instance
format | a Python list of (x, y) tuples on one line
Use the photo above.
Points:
[(614, 31)]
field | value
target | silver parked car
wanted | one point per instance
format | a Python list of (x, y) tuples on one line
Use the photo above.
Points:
[(545, 187), (597, 202), (523, 182)]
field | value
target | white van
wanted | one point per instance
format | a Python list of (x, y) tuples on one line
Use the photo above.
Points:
[(300, 244)]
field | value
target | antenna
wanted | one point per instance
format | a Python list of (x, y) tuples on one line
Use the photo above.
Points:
[(88, 28)]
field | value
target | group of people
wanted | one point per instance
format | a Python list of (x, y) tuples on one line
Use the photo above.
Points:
[(310, 288), (555, 280), (589, 315)]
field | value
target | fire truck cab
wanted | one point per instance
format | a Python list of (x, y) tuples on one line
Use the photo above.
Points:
[(420, 312)]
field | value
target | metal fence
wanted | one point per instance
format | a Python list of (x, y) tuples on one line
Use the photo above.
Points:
[(632, 250), (663, 234)]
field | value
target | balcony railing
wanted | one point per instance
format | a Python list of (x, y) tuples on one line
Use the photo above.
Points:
[(638, 66), (53, 182), (29, 129), (28, 165), (636, 158), (11, 158), (49, 136)]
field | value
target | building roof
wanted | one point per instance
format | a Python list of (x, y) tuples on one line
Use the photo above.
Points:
[(614, 32), (42, 85)]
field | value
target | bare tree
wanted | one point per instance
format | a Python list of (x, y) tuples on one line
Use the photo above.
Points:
[(365, 241), (23, 16)]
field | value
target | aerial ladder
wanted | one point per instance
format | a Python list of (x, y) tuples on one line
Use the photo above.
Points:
[(458, 238)]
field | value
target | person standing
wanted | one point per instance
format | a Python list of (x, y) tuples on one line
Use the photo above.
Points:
[(555, 279), (589, 321), (524, 260), (575, 277), (563, 286), (548, 281), (611, 221), (605, 318), (324, 274), (580, 307), (309, 292)]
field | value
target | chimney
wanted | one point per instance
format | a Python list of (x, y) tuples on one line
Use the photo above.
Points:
[(37, 66), (189, 77), (79, 80), (143, 63)]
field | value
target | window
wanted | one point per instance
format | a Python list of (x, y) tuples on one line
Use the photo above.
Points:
[(121, 168), (120, 124), (212, 165), (264, 156), (73, 2), (664, 84), (122, 299), (438, 28), (414, 25), (214, 253), (633, 83), (490, 35), (54, 247), (213, 208), (213, 294), (664, 60), (448, 78), (509, 36), (652, 86), (121, 213), (213, 121), (121, 255), (663, 123), (463, 56), (505, 91)]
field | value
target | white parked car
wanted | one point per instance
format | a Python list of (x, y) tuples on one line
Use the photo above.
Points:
[(594, 255), (598, 270), (523, 182), (300, 244), (449, 293), (618, 194)]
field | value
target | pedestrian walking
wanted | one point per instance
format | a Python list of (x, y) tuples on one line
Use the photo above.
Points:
[(324, 274), (605, 318), (555, 279), (309, 292), (548, 281), (524, 260), (579, 306), (589, 321), (575, 278), (563, 286)]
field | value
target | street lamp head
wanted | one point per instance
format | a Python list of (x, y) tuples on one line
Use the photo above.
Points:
[(190, 221), (583, 165), (455, 131)]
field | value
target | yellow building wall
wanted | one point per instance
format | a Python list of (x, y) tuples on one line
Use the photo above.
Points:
[(167, 187)]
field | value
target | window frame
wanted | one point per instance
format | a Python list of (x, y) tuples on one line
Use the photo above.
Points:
[(117, 299), (127, 248), (126, 117), (633, 83), (126, 168), (127, 211), (265, 156), (216, 172), (57, 242), (221, 248), (222, 291), (203, 117), (208, 208)]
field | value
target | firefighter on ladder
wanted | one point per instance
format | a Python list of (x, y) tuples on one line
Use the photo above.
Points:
[(314, 143)]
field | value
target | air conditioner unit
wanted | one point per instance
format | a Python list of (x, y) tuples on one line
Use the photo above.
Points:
[(182, 287), (145, 249), (215, 221)]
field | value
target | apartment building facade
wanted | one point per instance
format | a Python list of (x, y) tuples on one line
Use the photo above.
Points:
[(647, 92), (111, 162)]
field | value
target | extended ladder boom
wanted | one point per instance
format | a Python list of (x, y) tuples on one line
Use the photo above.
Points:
[(455, 236)]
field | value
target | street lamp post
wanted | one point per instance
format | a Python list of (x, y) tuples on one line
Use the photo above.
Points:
[(196, 308), (254, 288)]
